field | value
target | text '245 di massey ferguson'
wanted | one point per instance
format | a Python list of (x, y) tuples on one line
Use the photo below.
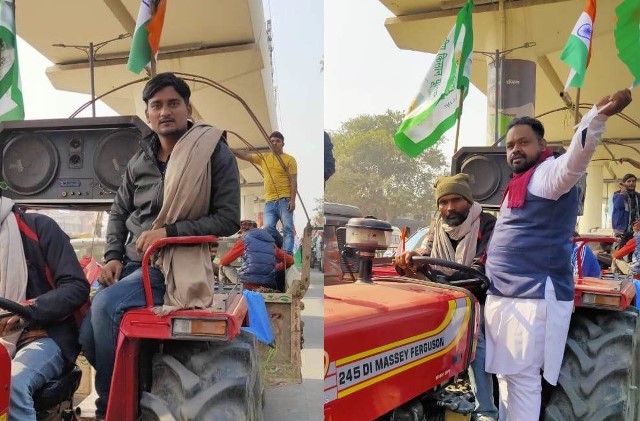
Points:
[(395, 346)]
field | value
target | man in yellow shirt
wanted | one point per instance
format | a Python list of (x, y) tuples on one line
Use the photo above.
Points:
[(279, 171)]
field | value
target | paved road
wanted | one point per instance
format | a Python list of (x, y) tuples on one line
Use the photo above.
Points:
[(303, 402)]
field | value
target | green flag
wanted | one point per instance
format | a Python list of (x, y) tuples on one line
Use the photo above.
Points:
[(627, 36), (435, 109), (11, 104)]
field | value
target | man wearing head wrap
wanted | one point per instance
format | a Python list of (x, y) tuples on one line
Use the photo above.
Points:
[(460, 234), (531, 291)]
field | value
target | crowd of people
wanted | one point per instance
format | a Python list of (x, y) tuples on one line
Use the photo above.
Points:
[(185, 181)]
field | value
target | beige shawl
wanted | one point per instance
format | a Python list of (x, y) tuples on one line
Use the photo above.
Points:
[(466, 234), (187, 190), (13, 266)]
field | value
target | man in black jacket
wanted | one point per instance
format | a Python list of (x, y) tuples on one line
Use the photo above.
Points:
[(37, 263), (460, 234), (135, 208)]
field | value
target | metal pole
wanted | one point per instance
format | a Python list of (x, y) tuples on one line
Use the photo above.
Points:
[(91, 50), (577, 116), (497, 93), (93, 87), (460, 103)]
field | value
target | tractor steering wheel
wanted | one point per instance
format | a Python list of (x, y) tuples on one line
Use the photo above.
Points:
[(472, 278), (11, 307)]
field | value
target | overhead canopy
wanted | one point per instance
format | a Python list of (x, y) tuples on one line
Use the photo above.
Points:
[(223, 40), (422, 25)]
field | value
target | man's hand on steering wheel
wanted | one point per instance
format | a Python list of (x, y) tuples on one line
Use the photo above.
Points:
[(468, 276), (405, 260), (11, 324), (14, 316)]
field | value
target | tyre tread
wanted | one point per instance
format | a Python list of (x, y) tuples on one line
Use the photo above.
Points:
[(598, 367)]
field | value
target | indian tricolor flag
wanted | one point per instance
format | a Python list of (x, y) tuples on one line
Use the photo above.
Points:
[(577, 51), (146, 38)]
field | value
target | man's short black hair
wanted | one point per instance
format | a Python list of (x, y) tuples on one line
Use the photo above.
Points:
[(277, 134), (534, 123), (628, 176), (161, 81)]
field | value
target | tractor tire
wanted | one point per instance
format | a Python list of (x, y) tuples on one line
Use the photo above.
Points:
[(201, 381), (600, 372)]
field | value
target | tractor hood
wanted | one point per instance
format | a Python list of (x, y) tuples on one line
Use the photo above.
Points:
[(389, 333)]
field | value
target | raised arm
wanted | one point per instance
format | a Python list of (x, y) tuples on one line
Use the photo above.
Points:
[(561, 174), (630, 161), (245, 156)]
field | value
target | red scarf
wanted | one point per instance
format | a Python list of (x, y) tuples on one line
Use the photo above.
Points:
[(517, 187)]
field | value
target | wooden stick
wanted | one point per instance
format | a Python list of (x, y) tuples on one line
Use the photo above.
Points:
[(455, 143), (576, 117)]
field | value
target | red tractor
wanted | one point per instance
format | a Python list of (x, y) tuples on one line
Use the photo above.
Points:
[(188, 365), (392, 344), (395, 346)]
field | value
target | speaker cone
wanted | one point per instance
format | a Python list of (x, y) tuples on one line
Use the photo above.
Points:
[(485, 176), (30, 163), (112, 155)]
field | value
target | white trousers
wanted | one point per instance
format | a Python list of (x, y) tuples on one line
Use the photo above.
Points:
[(525, 336), (520, 396)]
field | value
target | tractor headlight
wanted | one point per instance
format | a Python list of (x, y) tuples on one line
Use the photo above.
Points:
[(599, 300), (199, 327)]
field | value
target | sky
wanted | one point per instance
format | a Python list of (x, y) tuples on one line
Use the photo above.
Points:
[(299, 77), (366, 73), (36, 87)]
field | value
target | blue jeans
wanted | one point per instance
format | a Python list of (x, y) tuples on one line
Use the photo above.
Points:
[(278, 210), (100, 329), (481, 381), (31, 368)]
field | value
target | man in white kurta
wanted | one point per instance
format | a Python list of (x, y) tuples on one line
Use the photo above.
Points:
[(530, 300)]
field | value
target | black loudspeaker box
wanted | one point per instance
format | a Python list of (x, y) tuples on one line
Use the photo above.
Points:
[(489, 173), (62, 162)]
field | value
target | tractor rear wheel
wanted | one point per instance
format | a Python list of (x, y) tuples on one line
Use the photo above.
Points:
[(600, 371), (198, 381)]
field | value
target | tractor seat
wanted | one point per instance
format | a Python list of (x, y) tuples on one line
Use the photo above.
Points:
[(58, 389)]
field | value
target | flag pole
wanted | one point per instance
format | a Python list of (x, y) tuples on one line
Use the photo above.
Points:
[(576, 116), (461, 101), (152, 67)]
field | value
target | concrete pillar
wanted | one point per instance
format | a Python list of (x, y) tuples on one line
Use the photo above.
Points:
[(244, 205), (258, 211), (516, 93), (592, 217)]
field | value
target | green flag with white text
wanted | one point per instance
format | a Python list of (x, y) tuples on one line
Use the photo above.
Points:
[(11, 104), (435, 109)]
